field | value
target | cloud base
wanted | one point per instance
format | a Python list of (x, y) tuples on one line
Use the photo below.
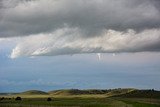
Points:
[(68, 41)]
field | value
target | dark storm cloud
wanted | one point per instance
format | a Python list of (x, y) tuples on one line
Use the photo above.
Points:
[(27, 17), (62, 27)]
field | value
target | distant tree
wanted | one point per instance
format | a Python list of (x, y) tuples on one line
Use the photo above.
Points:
[(2, 99), (49, 99), (18, 98)]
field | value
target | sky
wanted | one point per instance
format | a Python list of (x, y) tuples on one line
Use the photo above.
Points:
[(81, 44)]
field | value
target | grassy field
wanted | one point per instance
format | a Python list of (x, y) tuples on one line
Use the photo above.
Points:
[(82, 101), (76, 98)]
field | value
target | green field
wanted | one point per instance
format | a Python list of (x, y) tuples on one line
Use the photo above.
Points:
[(85, 98)]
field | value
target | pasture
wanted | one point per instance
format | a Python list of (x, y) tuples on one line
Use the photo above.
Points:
[(79, 101)]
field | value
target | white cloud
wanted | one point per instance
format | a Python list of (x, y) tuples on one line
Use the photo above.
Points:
[(68, 41)]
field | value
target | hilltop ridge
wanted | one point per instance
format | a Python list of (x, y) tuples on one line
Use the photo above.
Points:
[(34, 92), (120, 92)]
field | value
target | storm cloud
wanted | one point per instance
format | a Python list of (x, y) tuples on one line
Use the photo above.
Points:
[(59, 27), (27, 17)]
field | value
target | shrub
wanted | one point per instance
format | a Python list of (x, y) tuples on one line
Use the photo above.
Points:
[(2, 98), (49, 99), (18, 98)]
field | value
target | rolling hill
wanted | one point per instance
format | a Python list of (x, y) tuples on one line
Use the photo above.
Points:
[(120, 92), (109, 92), (140, 94), (77, 92), (34, 92)]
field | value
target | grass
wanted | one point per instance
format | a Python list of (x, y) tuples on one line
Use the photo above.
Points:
[(138, 104), (80, 102), (141, 94), (77, 102)]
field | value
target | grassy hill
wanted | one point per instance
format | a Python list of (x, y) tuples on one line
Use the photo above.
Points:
[(34, 92), (109, 92), (84, 98), (119, 91), (77, 92), (141, 94)]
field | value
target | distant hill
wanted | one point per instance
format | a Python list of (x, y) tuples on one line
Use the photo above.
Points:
[(120, 92), (77, 92), (34, 92), (109, 92), (141, 94)]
